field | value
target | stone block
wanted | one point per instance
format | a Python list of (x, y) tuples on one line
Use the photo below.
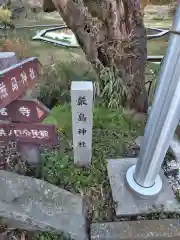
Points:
[(137, 230), (127, 202), (31, 203), (82, 118)]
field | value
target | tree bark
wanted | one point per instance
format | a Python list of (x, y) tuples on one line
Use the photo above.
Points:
[(112, 34)]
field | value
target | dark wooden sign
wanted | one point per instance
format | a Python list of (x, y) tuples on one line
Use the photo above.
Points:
[(16, 79), (28, 132), (24, 111)]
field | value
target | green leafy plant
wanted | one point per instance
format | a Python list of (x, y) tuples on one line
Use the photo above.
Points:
[(5, 19), (113, 132), (55, 81), (51, 236), (151, 74), (178, 194), (21, 47), (110, 88)]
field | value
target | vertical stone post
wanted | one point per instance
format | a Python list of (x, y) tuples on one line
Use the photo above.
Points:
[(82, 120)]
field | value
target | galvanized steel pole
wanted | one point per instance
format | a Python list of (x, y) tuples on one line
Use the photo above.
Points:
[(163, 118)]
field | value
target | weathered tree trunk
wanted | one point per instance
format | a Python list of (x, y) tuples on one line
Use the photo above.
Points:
[(112, 34), (48, 6)]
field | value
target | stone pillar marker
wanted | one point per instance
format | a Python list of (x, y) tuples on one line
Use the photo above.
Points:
[(82, 120)]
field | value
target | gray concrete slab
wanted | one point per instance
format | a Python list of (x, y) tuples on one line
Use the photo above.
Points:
[(127, 202), (29, 203), (137, 230)]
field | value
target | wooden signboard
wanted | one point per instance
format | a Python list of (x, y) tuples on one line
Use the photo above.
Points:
[(16, 79), (21, 118), (28, 132), (24, 111)]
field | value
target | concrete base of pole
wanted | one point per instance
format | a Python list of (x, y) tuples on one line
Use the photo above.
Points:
[(129, 203), (142, 191)]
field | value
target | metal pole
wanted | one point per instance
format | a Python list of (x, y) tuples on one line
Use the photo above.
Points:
[(163, 119), (165, 78)]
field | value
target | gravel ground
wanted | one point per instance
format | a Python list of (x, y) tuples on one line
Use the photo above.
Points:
[(11, 160), (171, 168)]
